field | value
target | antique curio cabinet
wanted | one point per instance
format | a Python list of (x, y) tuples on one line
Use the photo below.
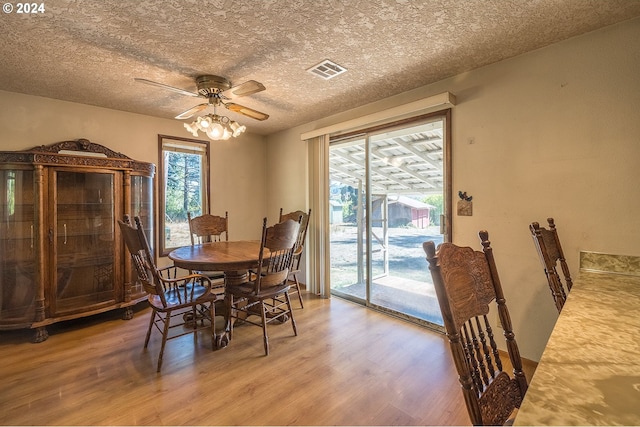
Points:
[(61, 256)]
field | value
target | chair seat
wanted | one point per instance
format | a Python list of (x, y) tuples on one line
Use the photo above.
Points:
[(212, 274), (216, 277), (175, 299), (246, 290)]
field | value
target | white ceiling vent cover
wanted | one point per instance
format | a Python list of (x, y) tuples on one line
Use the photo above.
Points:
[(327, 69)]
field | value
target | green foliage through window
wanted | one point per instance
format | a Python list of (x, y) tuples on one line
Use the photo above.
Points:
[(184, 187), (349, 199), (436, 200)]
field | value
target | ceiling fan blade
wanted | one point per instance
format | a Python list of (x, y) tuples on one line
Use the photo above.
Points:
[(247, 88), (191, 111), (164, 86), (254, 114)]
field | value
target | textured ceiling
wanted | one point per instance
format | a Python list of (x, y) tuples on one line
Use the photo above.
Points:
[(89, 51)]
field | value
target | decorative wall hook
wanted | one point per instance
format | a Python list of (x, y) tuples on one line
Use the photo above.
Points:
[(463, 196), (465, 207)]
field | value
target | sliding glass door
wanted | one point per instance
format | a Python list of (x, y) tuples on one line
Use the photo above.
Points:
[(348, 232), (388, 194)]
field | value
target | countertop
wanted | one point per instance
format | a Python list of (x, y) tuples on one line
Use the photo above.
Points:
[(589, 372)]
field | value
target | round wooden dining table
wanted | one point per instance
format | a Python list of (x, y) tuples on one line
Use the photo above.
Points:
[(234, 258)]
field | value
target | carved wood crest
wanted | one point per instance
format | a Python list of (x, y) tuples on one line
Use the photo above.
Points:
[(81, 145), (64, 153), (468, 281)]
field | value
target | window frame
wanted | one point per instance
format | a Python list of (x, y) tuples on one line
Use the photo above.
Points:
[(164, 141)]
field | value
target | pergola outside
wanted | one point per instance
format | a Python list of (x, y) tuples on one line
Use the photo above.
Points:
[(404, 165)]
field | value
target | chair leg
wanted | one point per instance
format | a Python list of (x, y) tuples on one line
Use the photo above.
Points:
[(165, 334), (153, 318), (229, 326), (194, 314), (293, 320), (212, 315), (264, 327), (297, 284)]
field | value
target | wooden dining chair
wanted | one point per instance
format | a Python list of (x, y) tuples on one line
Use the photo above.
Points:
[(180, 305), (466, 283), (267, 294), (550, 252), (303, 217), (209, 228)]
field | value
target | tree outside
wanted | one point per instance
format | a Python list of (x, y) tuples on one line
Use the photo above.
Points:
[(183, 193), (436, 200)]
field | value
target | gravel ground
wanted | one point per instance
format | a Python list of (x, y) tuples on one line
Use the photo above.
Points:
[(406, 257)]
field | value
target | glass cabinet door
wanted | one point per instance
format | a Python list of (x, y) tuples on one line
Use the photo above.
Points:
[(142, 203), (141, 206), (18, 282), (84, 253)]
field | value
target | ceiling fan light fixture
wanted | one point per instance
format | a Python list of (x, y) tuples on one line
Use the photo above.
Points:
[(215, 127), (237, 128), (214, 88), (204, 122), (216, 131), (191, 128)]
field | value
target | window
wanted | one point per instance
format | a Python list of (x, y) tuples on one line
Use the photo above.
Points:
[(184, 187)]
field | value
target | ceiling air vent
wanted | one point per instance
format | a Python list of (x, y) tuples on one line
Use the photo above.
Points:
[(327, 69)]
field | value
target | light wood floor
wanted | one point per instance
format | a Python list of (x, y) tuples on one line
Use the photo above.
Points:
[(348, 366)]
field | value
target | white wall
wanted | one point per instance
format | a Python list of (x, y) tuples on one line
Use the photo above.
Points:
[(555, 132), (287, 171), (238, 169)]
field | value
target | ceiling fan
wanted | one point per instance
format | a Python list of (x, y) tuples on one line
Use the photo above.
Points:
[(216, 90)]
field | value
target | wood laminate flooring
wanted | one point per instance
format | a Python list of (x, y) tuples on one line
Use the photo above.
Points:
[(348, 366)]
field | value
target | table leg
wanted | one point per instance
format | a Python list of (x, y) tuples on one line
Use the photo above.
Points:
[(231, 278)]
